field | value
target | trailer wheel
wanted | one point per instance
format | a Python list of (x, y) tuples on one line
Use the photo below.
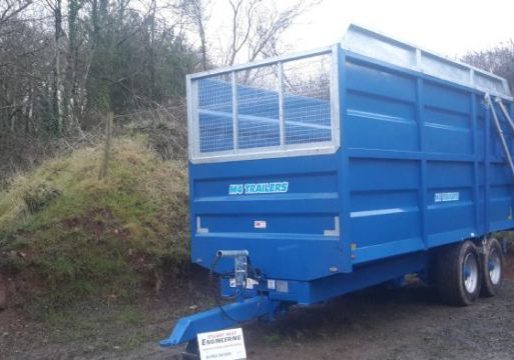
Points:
[(458, 274), (492, 265)]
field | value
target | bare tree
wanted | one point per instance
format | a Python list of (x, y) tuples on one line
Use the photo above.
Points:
[(254, 29), (71, 86), (257, 27), (197, 12), (498, 60), (58, 102), (10, 9)]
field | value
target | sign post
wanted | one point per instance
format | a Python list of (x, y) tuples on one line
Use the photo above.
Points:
[(222, 345)]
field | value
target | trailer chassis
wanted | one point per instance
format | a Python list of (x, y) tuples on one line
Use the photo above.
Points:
[(263, 302)]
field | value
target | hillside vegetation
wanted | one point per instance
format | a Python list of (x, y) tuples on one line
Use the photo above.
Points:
[(65, 235)]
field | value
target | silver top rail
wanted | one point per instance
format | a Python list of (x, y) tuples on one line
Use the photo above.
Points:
[(382, 47), (264, 62), (377, 45)]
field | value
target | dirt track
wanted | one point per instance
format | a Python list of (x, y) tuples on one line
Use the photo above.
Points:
[(379, 323)]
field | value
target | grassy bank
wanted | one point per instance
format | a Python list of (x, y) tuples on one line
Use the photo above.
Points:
[(65, 235)]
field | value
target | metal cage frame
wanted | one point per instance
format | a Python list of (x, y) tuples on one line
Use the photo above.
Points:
[(281, 150)]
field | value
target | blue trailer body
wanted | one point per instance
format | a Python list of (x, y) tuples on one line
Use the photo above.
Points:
[(402, 162)]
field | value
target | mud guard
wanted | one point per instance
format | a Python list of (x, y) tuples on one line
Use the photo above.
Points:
[(219, 318)]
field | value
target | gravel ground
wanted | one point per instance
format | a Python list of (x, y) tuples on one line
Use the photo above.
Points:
[(378, 323), (401, 324)]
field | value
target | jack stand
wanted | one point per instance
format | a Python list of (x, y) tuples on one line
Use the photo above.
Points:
[(240, 268)]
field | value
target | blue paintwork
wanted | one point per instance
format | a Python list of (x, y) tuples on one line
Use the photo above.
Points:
[(312, 292), (218, 318), (405, 137)]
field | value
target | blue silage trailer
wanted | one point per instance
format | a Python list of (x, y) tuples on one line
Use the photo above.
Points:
[(321, 173)]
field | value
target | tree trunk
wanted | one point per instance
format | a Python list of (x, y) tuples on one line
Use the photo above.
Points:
[(57, 83)]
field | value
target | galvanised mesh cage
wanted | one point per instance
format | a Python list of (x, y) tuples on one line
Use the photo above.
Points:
[(214, 114), (307, 100), (279, 106)]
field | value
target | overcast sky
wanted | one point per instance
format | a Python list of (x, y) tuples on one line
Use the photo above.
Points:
[(448, 27)]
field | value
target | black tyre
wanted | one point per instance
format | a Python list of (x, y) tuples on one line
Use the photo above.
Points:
[(458, 274), (492, 268)]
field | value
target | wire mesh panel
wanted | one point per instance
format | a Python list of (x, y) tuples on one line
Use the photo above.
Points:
[(258, 107), (215, 114), (307, 100), (267, 108)]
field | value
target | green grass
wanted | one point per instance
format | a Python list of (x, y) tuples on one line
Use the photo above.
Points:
[(67, 236)]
